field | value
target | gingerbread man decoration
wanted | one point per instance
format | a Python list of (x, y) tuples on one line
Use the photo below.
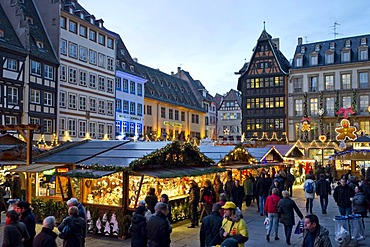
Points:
[(345, 131)]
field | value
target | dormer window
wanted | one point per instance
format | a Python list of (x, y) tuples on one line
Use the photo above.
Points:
[(2, 34), (329, 57), (345, 56), (122, 52), (317, 48), (152, 92), (29, 20), (188, 92), (299, 61), (161, 95), (132, 68), (363, 41), (71, 11), (363, 54), (313, 59), (82, 16), (161, 83), (348, 43), (40, 45), (332, 45), (303, 49), (152, 80), (123, 65)]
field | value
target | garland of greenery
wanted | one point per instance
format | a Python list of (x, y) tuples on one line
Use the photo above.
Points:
[(336, 109), (237, 154), (354, 101)]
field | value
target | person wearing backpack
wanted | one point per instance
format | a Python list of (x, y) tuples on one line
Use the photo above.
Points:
[(309, 188)]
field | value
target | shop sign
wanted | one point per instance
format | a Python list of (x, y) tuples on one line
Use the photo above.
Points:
[(62, 170), (49, 172), (174, 124), (135, 118)]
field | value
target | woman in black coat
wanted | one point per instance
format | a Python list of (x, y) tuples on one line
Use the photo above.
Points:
[(77, 228), (138, 228), (286, 208)]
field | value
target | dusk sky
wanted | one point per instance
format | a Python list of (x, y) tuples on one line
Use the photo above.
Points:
[(211, 39)]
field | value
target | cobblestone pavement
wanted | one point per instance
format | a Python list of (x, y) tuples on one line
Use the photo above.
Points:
[(185, 237)]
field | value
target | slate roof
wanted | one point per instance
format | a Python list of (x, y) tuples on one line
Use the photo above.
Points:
[(231, 96), (325, 46), (198, 86), (10, 42), (362, 139), (168, 88), (37, 33)]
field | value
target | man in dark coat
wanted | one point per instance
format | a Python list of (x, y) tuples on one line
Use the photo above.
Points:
[(77, 228), (286, 208), (138, 228), (194, 197), (81, 211), (342, 194), (46, 238), (315, 235), (323, 190), (159, 228), (211, 224), (262, 188), (14, 232), (29, 219), (151, 200)]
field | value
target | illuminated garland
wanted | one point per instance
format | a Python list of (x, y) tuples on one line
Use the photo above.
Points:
[(351, 151)]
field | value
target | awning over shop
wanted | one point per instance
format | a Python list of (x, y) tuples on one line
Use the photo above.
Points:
[(182, 172), (87, 173), (11, 162), (36, 167), (352, 154)]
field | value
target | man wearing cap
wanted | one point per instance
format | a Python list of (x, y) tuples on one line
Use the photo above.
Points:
[(211, 224), (233, 226)]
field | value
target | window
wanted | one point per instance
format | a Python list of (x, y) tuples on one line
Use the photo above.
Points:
[(132, 108), (346, 81), (63, 22), (48, 99), (118, 105), (110, 108), (346, 101), (83, 31), (73, 50), (92, 103), (110, 63), (118, 83), (364, 79), (72, 127), (10, 120), (101, 106), (314, 106), (63, 72), (298, 84), (101, 39), (83, 53), (329, 58), (110, 43), (139, 109), (81, 128), (92, 129), (92, 55), (345, 56), (12, 64), (72, 104), (314, 84), (83, 78), (298, 104), (62, 99), (183, 116), (364, 103), (101, 60), (279, 101), (48, 126), (63, 46), (125, 86), (92, 81), (72, 26), (101, 128), (299, 61), (34, 120), (170, 113), (12, 95), (101, 84), (329, 103), (329, 82), (149, 110), (313, 59), (109, 85), (139, 89), (72, 75), (132, 87), (92, 35), (35, 96), (40, 45), (125, 106), (363, 54), (163, 112), (110, 131), (35, 68), (48, 72), (82, 103)]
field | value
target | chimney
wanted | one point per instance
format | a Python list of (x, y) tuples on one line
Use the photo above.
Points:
[(135, 59), (178, 70), (276, 41), (172, 73), (300, 41)]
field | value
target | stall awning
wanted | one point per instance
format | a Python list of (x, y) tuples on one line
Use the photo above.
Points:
[(87, 173), (182, 172), (36, 167)]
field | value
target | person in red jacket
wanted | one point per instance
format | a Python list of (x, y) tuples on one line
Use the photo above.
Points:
[(271, 210)]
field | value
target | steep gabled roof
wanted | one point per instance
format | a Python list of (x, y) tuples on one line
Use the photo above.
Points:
[(197, 84), (232, 95), (167, 88), (10, 41)]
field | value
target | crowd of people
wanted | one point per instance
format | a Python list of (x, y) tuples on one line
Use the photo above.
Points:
[(20, 227)]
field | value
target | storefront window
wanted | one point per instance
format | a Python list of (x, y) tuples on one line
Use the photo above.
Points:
[(48, 184)]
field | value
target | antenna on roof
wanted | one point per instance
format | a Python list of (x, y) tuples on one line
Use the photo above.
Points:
[(335, 33)]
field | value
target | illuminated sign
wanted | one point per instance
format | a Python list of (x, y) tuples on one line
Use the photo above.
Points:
[(62, 170), (172, 124)]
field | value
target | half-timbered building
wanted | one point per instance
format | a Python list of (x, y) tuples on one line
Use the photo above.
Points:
[(262, 83)]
